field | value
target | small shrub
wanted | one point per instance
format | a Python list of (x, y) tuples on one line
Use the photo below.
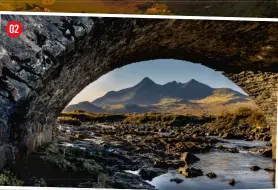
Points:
[(165, 119), (103, 179), (94, 117), (9, 179), (241, 117), (69, 120)]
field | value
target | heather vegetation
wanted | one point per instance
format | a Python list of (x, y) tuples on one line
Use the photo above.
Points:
[(242, 116), (243, 122), (151, 118), (223, 8), (7, 178), (253, 118), (82, 116)]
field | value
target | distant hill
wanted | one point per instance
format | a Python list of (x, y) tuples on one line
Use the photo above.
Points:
[(127, 108), (174, 97), (85, 106)]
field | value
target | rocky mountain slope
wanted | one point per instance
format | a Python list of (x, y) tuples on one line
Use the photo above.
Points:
[(86, 106), (175, 97), (148, 92)]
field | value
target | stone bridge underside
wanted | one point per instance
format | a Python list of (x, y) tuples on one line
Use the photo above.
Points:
[(56, 57)]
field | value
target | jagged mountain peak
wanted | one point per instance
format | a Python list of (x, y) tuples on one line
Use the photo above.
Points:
[(193, 81), (146, 80), (173, 82), (148, 92), (195, 84), (84, 102)]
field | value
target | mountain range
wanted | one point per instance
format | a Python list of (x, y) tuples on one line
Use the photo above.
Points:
[(173, 96)]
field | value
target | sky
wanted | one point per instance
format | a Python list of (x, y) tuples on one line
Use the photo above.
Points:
[(160, 71)]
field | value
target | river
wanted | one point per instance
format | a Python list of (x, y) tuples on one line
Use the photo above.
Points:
[(226, 166)]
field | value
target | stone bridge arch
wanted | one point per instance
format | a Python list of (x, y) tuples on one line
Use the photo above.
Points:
[(56, 57)]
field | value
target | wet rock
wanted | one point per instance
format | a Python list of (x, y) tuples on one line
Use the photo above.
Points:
[(268, 144), (177, 180), (248, 139), (259, 136), (189, 158), (74, 151), (211, 175), (190, 172), (232, 182), (213, 140), (231, 136), (266, 138), (169, 164), (254, 149), (231, 150), (245, 147), (150, 173), (37, 182), (270, 169), (82, 136), (92, 184), (220, 147), (255, 168), (5, 154), (193, 147), (124, 180), (267, 153), (71, 161)]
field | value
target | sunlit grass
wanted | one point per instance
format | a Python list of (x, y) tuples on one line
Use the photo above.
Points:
[(226, 120), (69, 120), (204, 8)]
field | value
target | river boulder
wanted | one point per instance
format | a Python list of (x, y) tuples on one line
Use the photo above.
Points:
[(190, 172), (255, 168), (211, 175), (150, 173), (232, 136), (177, 180), (169, 164), (270, 169), (189, 158), (232, 182), (124, 180), (267, 153)]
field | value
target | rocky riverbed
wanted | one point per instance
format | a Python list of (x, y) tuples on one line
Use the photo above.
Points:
[(117, 155)]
